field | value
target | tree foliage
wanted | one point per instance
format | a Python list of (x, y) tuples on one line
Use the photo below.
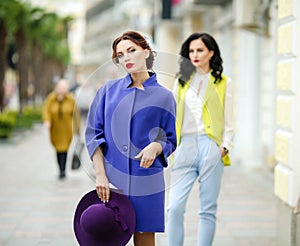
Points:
[(41, 45)]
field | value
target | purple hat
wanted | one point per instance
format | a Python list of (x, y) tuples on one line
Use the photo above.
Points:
[(110, 224)]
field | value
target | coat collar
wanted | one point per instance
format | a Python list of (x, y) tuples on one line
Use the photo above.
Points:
[(127, 81)]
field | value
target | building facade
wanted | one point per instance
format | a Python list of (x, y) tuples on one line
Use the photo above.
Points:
[(287, 131)]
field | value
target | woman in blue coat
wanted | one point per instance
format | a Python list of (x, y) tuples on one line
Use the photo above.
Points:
[(130, 134)]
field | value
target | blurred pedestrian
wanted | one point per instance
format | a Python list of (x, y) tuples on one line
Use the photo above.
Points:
[(62, 119), (131, 132), (204, 133)]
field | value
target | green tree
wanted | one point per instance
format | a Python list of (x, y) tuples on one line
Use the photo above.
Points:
[(54, 44), (41, 45), (7, 17), (42, 33), (21, 32)]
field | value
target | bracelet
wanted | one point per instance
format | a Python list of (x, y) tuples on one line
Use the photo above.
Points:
[(226, 150)]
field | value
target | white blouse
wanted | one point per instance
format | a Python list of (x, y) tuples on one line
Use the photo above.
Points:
[(193, 121)]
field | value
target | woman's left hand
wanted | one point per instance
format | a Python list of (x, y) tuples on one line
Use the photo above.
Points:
[(148, 154)]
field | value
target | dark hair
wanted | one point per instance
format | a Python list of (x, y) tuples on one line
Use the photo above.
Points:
[(186, 68), (139, 40)]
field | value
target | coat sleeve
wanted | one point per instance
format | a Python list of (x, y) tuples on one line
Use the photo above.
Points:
[(167, 137), (46, 116), (76, 120), (94, 133)]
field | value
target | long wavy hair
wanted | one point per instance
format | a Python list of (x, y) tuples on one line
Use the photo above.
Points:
[(186, 68)]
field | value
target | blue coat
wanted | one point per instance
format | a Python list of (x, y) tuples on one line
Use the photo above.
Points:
[(123, 121)]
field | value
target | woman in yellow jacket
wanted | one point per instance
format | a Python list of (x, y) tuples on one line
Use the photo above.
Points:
[(204, 134), (58, 117)]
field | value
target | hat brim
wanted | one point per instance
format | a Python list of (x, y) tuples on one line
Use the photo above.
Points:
[(126, 211)]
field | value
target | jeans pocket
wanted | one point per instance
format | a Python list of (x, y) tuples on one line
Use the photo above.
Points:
[(185, 155), (213, 157)]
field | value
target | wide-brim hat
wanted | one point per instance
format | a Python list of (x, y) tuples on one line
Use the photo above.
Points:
[(108, 224)]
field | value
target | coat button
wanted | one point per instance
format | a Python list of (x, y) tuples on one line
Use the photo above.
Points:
[(125, 148)]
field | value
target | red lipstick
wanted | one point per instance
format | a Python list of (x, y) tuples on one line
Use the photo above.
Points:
[(129, 65)]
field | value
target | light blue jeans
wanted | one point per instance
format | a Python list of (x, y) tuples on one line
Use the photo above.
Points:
[(196, 157)]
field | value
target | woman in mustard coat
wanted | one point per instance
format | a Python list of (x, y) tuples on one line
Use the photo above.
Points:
[(58, 118)]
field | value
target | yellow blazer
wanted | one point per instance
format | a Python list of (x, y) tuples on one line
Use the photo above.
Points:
[(212, 113)]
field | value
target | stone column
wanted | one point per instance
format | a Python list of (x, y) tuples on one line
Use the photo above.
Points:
[(167, 35)]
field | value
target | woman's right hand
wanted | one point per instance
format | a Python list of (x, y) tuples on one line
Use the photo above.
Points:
[(102, 188)]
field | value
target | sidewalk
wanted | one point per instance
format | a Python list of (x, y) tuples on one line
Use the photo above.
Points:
[(246, 214), (37, 209)]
